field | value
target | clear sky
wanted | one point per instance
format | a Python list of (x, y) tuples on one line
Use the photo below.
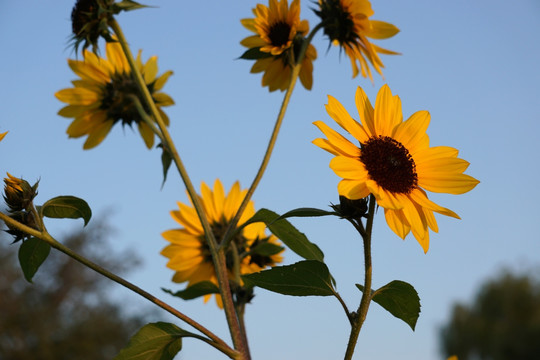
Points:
[(472, 64)]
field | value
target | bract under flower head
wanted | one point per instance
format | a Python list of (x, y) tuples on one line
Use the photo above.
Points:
[(347, 24), (394, 162), (278, 36), (104, 95), (188, 252)]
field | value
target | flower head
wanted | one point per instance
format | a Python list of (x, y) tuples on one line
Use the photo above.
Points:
[(18, 193), (394, 162), (279, 34), (104, 95), (188, 252), (347, 24), (90, 20)]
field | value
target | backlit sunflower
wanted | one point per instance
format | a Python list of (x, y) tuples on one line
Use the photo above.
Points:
[(278, 36), (394, 162), (103, 95), (188, 252), (347, 24)]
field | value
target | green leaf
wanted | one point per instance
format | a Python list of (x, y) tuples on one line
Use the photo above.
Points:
[(305, 278), (67, 206), (166, 160), (196, 290), (400, 299), (32, 254), (154, 341), (294, 239), (307, 212), (254, 54)]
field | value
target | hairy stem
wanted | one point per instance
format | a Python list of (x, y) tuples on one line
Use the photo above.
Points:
[(360, 316), (272, 142), (218, 256), (211, 338)]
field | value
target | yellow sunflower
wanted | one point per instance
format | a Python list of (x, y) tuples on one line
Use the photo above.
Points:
[(188, 252), (347, 24), (394, 162), (103, 95), (276, 28)]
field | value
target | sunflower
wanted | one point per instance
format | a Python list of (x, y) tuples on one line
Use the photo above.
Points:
[(188, 252), (279, 34), (103, 95), (394, 162), (347, 24)]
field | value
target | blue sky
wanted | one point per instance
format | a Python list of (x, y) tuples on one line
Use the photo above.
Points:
[(472, 65)]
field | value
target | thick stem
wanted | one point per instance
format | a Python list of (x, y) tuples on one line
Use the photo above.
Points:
[(218, 257), (361, 313), (212, 339)]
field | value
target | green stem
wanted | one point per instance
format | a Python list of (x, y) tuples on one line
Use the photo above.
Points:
[(361, 313), (218, 256), (227, 238), (211, 339)]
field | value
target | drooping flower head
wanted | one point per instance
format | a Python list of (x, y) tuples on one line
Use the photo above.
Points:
[(279, 34), (104, 95), (188, 252), (90, 20), (394, 162), (347, 24)]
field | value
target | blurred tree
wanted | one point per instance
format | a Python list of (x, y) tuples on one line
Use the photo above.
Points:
[(66, 313), (503, 323)]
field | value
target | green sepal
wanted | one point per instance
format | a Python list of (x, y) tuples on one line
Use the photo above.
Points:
[(254, 54), (399, 299), (154, 341), (166, 160), (196, 290), (66, 206), (307, 212), (288, 234), (304, 278), (266, 249), (32, 254), (127, 5)]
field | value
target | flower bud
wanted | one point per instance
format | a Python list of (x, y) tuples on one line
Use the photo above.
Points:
[(18, 194), (351, 209)]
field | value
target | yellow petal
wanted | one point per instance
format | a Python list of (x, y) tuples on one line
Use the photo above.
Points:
[(232, 201), (397, 222), (338, 141), (381, 30), (456, 184), (187, 217), (2, 135), (163, 99), (219, 197), (349, 168), (160, 82), (87, 71), (365, 110), (253, 41), (97, 135), (147, 134), (208, 203), (342, 117), (387, 112), (353, 189), (150, 70), (77, 96), (412, 132), (116, 56)]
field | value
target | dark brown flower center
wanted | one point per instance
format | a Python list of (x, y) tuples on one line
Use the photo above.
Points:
[(117, 99), (338, 22), (279, 33), (389, 164)]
